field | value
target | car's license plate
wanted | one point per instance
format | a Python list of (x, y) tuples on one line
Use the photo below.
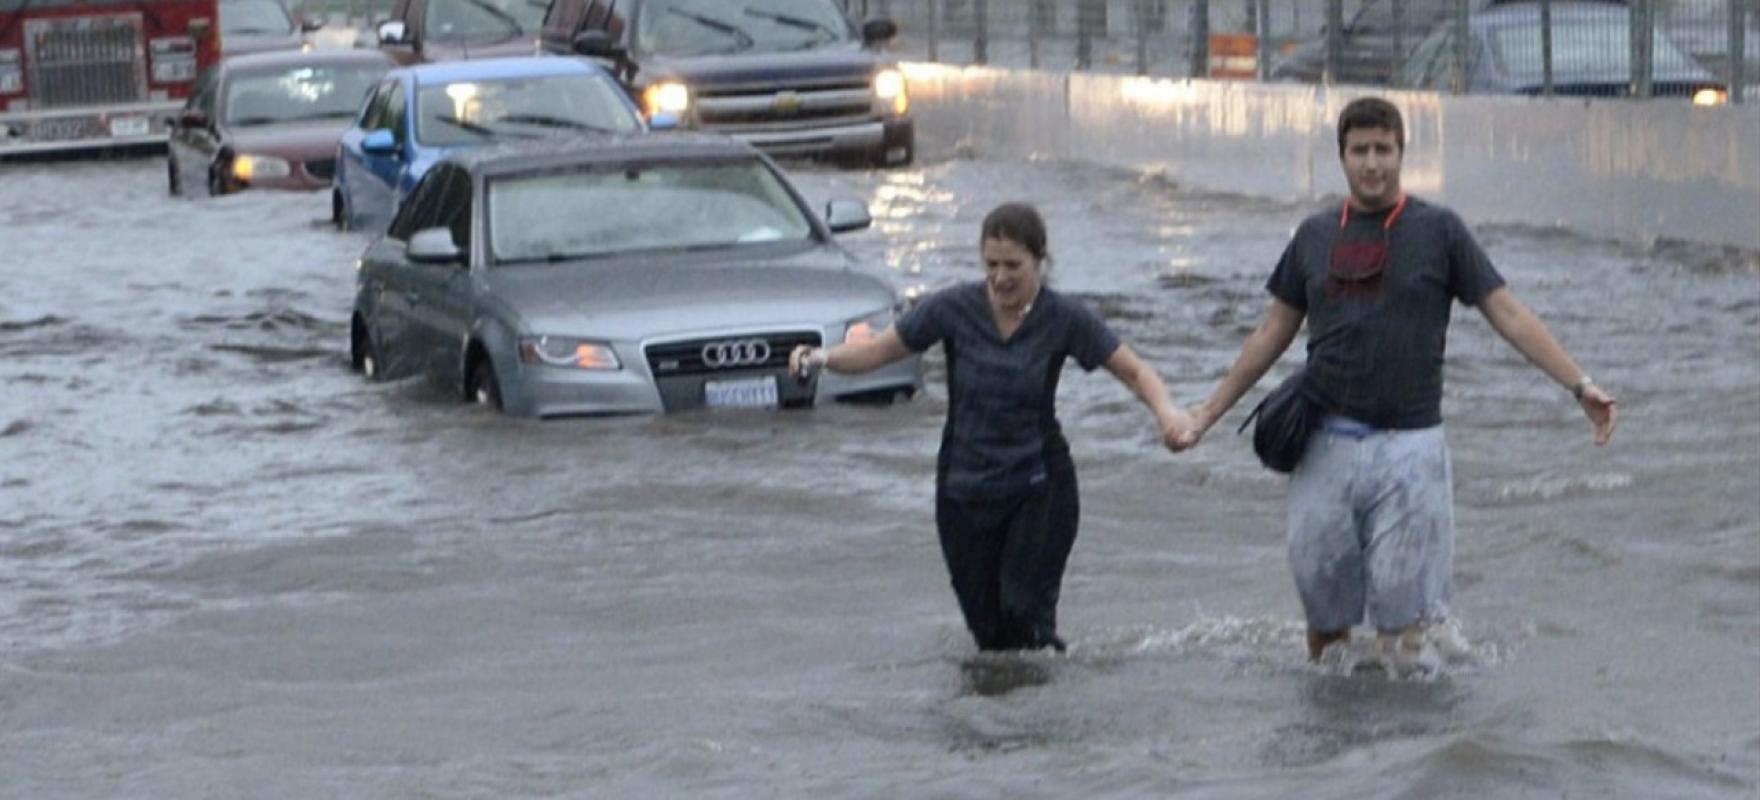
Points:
[(128, 126), (746, 393)]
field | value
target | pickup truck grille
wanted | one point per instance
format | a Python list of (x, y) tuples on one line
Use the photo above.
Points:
[(736, 110), (85, 60)]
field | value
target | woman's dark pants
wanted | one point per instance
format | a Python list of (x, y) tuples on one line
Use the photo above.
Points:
[(1006, 556)]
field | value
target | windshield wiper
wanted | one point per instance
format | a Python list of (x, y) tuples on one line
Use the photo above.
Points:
[(548, 258), (466, 126), (552, 122), (745, 39)]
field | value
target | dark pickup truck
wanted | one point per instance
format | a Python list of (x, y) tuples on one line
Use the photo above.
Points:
[(791, 77)]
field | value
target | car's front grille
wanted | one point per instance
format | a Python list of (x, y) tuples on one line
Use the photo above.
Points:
[(78, 61), (778, 109), (685, 358), (323, 168)]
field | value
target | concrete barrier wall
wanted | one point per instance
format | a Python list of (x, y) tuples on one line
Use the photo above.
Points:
[(1628, 170)]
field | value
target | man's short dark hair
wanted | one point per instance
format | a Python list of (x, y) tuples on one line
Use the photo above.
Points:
[(1371, 112), (1019, 223)]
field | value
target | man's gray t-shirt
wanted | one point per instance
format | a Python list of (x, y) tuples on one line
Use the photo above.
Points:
[(1001, 416), (1375, 347)]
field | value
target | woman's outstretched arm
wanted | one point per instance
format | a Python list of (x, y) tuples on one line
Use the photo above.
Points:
[(850, 357)]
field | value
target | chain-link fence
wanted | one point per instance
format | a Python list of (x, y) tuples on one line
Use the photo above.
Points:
[(1703, 49)]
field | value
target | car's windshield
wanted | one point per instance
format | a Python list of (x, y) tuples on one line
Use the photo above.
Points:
[(465, 112), (298, 94), (627, 208), (483, 19), (704, 27), (1580, 47), (254, 16)]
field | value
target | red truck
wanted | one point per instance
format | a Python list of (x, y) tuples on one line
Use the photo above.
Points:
[(78, 74)]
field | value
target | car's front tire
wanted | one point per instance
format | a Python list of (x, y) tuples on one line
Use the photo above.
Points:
[(364, 352), (339, 215), (482, 387)]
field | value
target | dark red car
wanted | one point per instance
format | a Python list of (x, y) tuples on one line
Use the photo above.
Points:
[(270, 120)]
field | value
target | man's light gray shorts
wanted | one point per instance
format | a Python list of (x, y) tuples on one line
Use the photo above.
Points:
[(1371, 526)]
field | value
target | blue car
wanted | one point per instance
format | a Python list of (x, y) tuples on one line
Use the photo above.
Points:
[(417, 115)]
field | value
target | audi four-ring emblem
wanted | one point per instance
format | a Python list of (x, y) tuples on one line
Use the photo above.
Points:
[(736, 353)]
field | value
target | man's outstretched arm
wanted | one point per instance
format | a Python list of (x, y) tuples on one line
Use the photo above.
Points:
[(1279, 327), (1523, 330)]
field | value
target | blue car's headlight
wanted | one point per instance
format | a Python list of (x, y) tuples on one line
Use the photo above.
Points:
[(558, 351)]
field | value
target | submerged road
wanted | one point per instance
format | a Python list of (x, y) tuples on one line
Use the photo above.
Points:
[(231, 568)]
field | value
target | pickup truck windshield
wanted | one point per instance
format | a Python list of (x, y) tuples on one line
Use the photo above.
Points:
[(626, 208), (708, 27)]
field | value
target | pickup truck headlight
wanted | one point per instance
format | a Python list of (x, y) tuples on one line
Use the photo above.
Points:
[(558, 351), (246, 167), (890, 89), (667, 97)]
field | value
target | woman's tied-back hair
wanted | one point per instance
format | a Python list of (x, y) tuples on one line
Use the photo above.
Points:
[(1019, 223), (1371, 112)]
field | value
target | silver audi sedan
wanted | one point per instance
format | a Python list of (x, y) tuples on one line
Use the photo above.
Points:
[(619, 274)]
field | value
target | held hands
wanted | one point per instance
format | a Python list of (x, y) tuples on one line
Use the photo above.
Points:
[(1602, 411), (1179, 430)]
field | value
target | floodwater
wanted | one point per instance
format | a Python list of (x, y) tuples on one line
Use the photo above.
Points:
[(231, 568)]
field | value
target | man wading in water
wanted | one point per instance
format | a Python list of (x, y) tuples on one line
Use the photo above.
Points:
[(1371, 504)]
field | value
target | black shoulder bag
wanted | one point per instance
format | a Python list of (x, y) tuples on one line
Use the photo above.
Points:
[(1282, 423)]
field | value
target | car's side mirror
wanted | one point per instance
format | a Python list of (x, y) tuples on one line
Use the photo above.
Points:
[(434, 246), (308, 25), (598, 44), (842, 216), (379, 143), (393, 32), (878, 30), (192, 118)]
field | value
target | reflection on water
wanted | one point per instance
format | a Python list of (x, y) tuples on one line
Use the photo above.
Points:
[(210, 531)]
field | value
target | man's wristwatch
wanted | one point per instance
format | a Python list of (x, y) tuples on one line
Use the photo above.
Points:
[(1582, 385)]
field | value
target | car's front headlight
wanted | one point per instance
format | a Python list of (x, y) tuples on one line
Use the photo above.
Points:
[(866, 328), (558, 351), (246, 167), (1710, 97), (666, 97), (890, 89)]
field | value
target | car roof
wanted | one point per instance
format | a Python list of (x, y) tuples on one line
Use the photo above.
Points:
[(564, 152), (278, 59), (501, 68)]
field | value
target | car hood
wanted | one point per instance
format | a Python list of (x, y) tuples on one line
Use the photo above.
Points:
[(833, 62), (636, 299), (295, 141)]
